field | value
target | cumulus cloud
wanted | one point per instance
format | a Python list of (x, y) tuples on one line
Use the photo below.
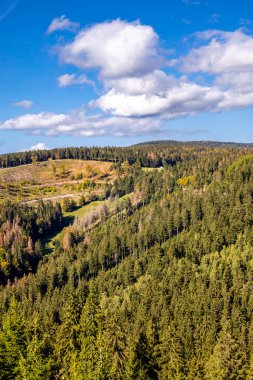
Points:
[(62, 23), (241, 82), (224, 52), (24, 104), (80, 124), (151, 83), (31, 121), (66, 80), (140, 90), (117, 48), (228, 58), (179, 99)]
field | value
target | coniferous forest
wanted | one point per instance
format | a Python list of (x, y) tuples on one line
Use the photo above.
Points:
[(159, 288)]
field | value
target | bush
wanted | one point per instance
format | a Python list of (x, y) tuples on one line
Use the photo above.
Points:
[(82, 201), (69, 205)]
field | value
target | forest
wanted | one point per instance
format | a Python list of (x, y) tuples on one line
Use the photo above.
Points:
[(157, 285)]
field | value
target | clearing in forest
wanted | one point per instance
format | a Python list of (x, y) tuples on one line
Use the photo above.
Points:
[(54, 178)]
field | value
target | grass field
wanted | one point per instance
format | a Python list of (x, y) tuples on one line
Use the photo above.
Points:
[(50, 172), (82, 211)]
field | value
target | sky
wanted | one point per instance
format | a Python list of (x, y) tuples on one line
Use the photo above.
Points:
[(107, 72)]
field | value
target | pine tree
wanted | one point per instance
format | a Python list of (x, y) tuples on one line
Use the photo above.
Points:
[(92, 360), (115, 338), (170, 356), (35, 364), (226, 360), (12, 341), (67, 340), (140, 364)]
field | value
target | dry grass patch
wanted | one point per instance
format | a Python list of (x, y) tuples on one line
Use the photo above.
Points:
[(55, 171), (56, 177)]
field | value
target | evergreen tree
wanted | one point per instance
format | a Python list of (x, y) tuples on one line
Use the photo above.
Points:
[(35, 363), (140, 364), (226, 362), (12, 341), (67, 339)]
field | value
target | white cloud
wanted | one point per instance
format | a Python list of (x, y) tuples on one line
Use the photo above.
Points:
[(224, 52), (129, 60), (23, 103), (234, 100), (138, 96), (62, 23), (32, 121), (240, 82), (80, 124), (117, 48), (180, 98), (228, 57), (66, 80), (151, 83)]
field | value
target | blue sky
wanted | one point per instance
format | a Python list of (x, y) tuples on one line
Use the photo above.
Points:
[(115, 73)]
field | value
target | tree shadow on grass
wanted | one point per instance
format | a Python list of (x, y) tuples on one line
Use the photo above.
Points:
[(48, 241)]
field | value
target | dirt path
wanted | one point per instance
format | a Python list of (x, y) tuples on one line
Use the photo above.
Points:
[(55, 198), (62, 183), (48, 184)]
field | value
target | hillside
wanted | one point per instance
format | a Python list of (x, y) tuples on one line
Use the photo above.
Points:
[(150, 279), (211, 144), (53, 179), (150, 154)]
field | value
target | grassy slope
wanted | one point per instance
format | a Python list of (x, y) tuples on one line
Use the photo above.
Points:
[(69, 218), (42, 172), (41, 180), (52, 178), (82, 211)]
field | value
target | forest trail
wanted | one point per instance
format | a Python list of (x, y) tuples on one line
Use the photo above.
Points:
[(54, 198)]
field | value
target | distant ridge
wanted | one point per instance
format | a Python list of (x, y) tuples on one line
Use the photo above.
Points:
[(211, 144)]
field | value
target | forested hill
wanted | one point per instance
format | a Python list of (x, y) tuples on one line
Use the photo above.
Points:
[(149, 154), (204, 143), (158, 288)]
